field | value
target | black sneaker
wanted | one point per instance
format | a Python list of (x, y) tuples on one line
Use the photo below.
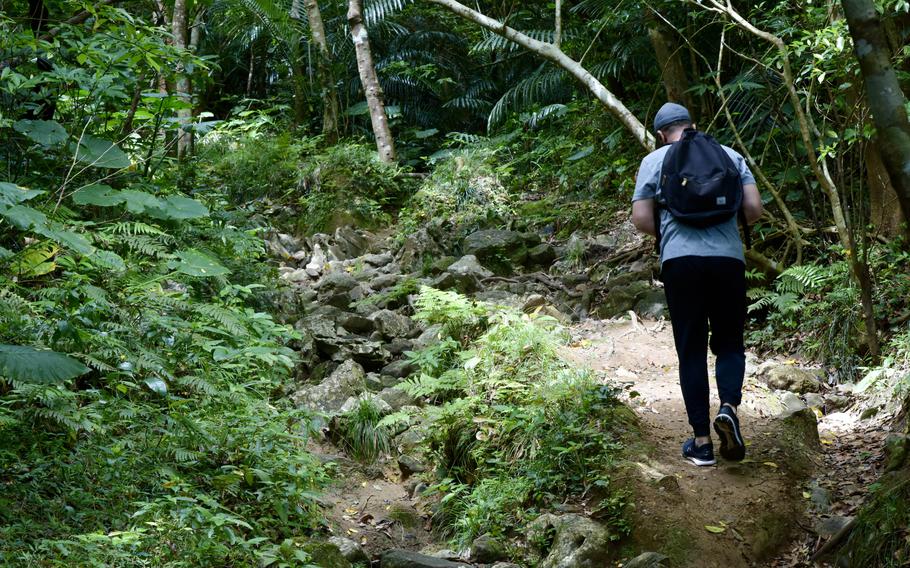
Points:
[(699, 455), (726, 424)]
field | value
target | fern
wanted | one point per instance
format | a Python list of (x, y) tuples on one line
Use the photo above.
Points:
[(224, 317)]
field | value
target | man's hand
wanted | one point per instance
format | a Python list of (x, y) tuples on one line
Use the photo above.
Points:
[(643, 216), (752, 207)]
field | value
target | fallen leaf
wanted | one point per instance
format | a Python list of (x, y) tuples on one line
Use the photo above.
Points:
[(715, 529), (771, 464)]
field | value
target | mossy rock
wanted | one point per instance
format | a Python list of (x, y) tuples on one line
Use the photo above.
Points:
[(799, 436), (326, 555), (772, 531), (620, 300)]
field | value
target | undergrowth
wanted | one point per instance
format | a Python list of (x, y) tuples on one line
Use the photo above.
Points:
[(517, 428)]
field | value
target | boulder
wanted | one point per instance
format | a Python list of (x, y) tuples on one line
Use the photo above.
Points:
[(326, 555), (570, 541), (399, 345), (416, 246), (499, 250), (397, 558), (441, 264), (486, 549), (466, 273), (384, 281), (652, 305), (353, 402), (396, 398), (793, 379), (428, 337), (621, 299), (541, 256), (348, 380), (351, 551), (897, 447), (316, 265), (399, 369), (378, 260), (356, 323), (335, 282), (409, 465), (391, 324), (351, 242), (297, 276)]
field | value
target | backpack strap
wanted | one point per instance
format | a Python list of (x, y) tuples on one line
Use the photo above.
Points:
[(656, 228)]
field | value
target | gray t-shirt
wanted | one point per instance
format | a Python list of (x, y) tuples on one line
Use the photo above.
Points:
[(678, 239)]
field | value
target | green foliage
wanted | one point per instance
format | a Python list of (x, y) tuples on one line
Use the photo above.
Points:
[(362, 433), (348, 184), (880, 535), (463, 192), (519, 427), (27, 364)]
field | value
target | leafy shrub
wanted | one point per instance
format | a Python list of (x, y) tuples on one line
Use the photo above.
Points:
[(361, 433), (520, 427), (464, 191), (246, 168), (349, 184)]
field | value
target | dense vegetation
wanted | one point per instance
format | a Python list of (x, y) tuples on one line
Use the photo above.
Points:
[(145, 365)]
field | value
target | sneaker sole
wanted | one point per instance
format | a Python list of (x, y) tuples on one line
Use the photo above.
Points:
[(701, 463), (732, 446)]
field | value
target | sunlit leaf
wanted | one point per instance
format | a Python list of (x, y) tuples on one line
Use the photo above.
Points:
[(194, 263)]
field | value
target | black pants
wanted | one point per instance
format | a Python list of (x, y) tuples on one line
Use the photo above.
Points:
[(703, 291)]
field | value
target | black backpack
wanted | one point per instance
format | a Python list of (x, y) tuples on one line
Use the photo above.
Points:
[(699, 184)]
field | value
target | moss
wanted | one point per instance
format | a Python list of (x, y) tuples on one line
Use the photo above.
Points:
[(325, 555)]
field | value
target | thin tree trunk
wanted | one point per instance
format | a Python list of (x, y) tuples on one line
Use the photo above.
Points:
[(819, 167), (670, 61), (557, 26), (251, 72), (195, 38), (324, 67), (883, 93), (134, 105), (549, 52), (179, 31), (384, 141)]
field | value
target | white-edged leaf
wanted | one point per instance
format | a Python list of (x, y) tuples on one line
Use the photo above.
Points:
[(156, 385)]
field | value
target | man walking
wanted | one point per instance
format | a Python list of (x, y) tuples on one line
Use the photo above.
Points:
[(703, 271)]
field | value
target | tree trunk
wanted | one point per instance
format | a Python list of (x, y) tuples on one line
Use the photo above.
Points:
[(384, 141), (178, 30), (549, 52), (557, 26), (883, 93), (884, 210), (324, 67), (670, 61), (195, 38)]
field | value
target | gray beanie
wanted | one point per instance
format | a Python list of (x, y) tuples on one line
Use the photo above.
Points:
[(670, 113)]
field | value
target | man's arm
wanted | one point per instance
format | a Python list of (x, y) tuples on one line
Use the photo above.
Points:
[(752, 207), (643, 216)]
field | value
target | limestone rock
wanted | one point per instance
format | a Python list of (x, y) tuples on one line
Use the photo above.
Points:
[(578, 542), (793, 379), (441, 264), (396, 398), (499, 250), (399, 369), (467, 272), (326, 554), (353, 402), (391, 324), (378, 260), (409, 465), (317, 262), (356, 323), (542, 255), (652, 304), (486, 549), (533, 302), (406, 559), (336, 281), (346, 381), (621, 299), (352, 551)]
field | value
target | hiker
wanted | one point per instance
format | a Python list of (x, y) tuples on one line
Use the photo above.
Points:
[(689, 194)]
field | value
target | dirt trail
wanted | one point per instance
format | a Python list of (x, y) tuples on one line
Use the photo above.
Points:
[(757, 510)]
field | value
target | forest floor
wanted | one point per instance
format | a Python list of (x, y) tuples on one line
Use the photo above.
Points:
[(773, 509)]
